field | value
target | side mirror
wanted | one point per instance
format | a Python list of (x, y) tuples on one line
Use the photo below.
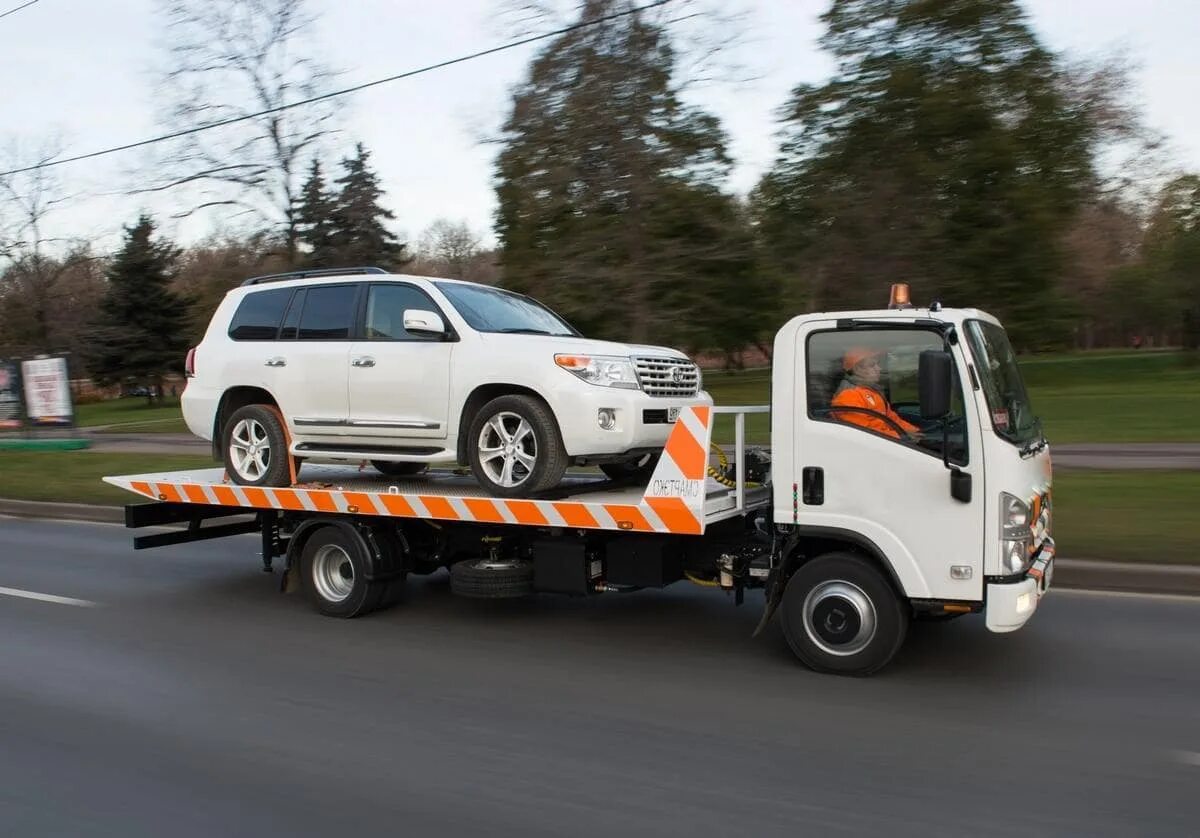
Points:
[(426, 322), (935, 370)]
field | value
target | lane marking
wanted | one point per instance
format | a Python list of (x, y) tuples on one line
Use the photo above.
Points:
[(1193, 599), (57, 600)]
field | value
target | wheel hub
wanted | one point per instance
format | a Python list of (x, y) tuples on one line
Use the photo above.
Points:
[(839, 617)]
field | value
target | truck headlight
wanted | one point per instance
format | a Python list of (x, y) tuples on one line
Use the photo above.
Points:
[(1016, 534), (602, 370)]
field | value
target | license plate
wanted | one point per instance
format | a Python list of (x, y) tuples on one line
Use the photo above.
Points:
[(672, 414)]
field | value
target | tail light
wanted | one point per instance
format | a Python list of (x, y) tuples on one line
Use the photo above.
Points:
[(189, 365)]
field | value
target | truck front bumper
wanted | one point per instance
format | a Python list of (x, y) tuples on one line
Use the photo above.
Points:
[(1011, 604)]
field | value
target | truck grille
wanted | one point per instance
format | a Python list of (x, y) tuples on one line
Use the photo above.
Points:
[(667, 376)]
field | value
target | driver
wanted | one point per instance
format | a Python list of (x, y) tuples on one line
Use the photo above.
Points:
[(860, 389)]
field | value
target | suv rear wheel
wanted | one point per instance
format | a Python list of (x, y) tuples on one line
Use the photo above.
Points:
[(254, 447), (514, 447)]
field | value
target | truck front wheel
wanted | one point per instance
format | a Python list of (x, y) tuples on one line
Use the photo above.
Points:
[(840, 615)]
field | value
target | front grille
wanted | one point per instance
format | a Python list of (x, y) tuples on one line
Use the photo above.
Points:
[(667, 376)]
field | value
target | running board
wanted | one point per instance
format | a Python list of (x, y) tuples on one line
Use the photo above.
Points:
[(371, 452)]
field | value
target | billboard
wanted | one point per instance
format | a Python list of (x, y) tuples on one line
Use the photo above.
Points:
[(47, 391), (10, 396)]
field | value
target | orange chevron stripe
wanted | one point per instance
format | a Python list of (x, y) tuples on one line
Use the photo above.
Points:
[(576, 515), (257, 497), (630, 515), (142, 489), (397, 505), (194, 493), (527, 512), (290, 499), (363, 501), (687, 453), (225, 496), (439, 507), (483, 510), (675, 514), (168, 492), (323, 501), (702, 413)]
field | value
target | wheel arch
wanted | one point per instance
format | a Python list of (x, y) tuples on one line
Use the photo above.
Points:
[(232, 400), (814, 542), (480, 396)]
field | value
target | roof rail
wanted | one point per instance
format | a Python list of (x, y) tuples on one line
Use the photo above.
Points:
[(259, 280)]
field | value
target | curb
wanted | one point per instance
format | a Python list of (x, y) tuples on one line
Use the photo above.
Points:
[(44, 444), (1127, 577)]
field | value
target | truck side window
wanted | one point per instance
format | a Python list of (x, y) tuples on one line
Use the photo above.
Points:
[(867, 379)]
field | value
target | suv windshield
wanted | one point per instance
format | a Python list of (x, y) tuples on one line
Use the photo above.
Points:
[(493, 310), (1012, 415)]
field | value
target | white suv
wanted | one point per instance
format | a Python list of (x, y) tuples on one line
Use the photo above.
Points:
[(403, 371)]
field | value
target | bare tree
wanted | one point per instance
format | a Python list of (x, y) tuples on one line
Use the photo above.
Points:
[(232, 59), (449, 247), (47, 282)]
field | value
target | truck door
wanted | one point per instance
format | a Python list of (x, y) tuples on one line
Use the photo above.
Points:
[(867, 466)]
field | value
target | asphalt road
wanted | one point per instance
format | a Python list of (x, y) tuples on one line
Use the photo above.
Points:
[(184, 696)]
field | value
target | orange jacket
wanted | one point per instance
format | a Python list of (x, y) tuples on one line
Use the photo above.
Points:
[(870, 399)]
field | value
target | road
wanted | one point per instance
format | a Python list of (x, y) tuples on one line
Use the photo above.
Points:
[(1175, 455), (179, 694)]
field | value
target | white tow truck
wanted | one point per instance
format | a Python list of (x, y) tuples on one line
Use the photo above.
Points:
[(853, 522)]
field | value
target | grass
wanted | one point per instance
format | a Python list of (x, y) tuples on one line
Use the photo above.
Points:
[(1102, 397), (132, 415), (1133, 516), (74, 476)]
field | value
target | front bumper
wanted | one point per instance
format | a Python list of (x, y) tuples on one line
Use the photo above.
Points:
[(1011, 604), (576, 412)]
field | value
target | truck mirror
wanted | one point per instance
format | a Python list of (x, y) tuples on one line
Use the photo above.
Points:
[(934, 380)]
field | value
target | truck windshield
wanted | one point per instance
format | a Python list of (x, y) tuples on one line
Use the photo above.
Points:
[(1008, 403), (493, 310)]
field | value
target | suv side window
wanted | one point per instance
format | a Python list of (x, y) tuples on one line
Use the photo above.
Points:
[(868, 380), (328, 312), (385, 311), (258, 315)]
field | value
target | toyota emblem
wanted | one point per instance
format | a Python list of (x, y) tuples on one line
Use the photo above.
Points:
[(677, 375)]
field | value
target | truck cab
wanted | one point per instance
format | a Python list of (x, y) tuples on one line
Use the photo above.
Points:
[(926, 461)]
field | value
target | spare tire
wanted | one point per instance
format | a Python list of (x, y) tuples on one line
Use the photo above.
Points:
[(492, 578)]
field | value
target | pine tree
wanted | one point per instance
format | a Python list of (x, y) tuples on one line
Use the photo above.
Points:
[(360, 235), (599, 149), (943, 152), (141, 332), (315, 218)]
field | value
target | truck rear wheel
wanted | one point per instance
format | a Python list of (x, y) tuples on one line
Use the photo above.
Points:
[(340, 573), (840, 615)]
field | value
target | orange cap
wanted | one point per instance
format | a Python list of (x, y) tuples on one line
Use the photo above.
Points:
[(857, 354)]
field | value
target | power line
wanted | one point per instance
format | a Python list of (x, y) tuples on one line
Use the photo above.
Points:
[(345, 91), (18, 8)]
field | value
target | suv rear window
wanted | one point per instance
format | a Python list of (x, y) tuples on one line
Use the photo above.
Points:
[(328, 312), (258, 315)]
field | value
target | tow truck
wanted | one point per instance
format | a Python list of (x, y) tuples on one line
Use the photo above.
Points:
[(852, 522)]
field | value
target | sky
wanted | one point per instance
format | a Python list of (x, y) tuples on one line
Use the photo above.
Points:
[(83, 72)]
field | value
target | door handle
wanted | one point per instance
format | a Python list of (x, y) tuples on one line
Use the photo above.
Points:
[(277, 362), (364, 361)]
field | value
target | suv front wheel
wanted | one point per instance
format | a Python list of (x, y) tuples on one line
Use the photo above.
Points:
[(254, 446), (514, 447)]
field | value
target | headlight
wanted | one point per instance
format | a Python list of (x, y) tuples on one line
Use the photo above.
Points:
[(603, 370), (1016, 536)]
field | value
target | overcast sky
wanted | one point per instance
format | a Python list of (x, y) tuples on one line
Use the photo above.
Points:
[(83, 71)]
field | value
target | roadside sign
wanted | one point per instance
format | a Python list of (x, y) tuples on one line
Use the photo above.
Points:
[(10, 396), (47, 391)]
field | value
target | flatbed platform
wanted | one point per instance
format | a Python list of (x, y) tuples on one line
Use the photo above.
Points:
[(679, 498)]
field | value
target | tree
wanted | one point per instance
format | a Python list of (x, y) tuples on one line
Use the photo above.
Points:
[(449, 248), (359, 232), (597, 145), (141, 332), (230, 59), (316, 220), (943, 152), (46, 281), (1172, 254)]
